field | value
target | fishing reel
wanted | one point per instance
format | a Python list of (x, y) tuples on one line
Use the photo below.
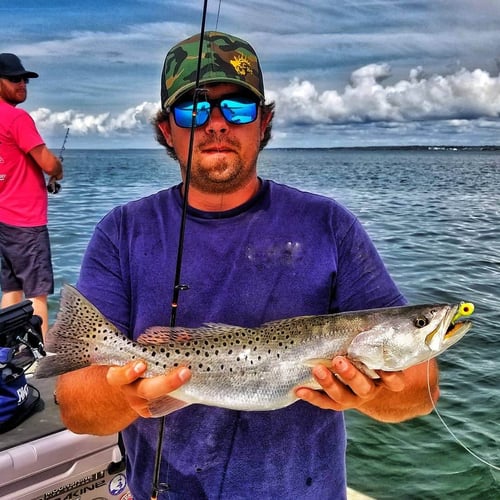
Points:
[(53, 187), (21, 341)]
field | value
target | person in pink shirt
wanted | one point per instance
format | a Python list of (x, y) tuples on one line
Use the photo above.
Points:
[(25, 255)]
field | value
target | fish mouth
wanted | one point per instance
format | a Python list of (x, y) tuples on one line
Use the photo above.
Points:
[(452, 328), (458, 328)]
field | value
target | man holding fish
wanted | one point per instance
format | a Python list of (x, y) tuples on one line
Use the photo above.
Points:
[(254, 252)]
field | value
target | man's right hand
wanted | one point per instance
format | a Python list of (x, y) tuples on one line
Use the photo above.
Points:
[(142, 393)]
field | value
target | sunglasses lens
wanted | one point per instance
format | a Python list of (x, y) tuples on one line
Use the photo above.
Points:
[(238, 111), (202, 113), (183, 114), (16, 79)]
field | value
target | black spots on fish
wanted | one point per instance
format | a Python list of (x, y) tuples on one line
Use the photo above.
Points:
[(277, 337), (219, 348), (202, 368)]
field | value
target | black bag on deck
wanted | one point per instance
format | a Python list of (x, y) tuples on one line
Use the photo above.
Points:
[(20, 346), (18, 399)]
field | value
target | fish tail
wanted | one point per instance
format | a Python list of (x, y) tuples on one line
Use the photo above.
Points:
[(51, 366), (74, 337)]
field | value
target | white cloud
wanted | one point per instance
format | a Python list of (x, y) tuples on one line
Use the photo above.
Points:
[(129, 121), (462, 95)]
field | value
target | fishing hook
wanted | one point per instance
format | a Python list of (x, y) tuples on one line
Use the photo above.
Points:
[(178, 287)]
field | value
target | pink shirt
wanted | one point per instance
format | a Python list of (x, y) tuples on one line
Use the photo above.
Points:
[(23, 194)]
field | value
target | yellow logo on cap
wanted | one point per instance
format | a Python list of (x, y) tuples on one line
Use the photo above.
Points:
[(242, 65)]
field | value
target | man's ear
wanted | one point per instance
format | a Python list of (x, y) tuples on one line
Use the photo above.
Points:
[(264, 122), (166, 131)]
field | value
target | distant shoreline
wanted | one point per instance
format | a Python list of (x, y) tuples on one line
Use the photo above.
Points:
[(336, 148), (422, 148)]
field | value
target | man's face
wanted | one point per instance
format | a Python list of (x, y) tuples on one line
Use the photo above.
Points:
[(224, 154), (12, 92)]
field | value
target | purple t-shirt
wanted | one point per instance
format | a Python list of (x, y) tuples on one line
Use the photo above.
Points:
[(284, 253)]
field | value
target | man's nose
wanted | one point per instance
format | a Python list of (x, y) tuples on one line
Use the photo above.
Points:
[(216, 121)]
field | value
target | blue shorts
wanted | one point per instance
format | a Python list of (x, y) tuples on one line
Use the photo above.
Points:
[(26, 260)]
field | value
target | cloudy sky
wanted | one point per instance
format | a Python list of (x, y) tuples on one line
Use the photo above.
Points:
[(342, 72)]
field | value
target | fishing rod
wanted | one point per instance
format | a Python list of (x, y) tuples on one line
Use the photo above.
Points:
[(63, 147), (53, 186), (157, 486)]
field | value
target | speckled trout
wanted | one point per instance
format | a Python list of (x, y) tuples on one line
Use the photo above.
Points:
[(254, 368)]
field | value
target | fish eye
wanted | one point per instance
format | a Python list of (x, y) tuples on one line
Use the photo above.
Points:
[(420, 321)]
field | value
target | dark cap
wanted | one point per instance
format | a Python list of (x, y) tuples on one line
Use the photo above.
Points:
[(225, 59), (10, 65)]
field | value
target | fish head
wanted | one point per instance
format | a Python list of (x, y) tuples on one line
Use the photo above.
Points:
[(400, 337)]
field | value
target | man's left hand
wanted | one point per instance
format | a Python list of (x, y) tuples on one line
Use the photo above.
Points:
[(345, 387)]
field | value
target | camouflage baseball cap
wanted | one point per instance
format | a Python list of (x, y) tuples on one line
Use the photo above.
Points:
[(225, 59)]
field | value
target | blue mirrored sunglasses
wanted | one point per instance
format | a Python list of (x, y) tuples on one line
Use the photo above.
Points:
[(237, 110)]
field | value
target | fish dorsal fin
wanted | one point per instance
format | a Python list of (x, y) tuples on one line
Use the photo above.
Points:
[(159, 335)]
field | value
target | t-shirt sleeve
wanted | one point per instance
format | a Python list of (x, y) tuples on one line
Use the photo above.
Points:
[(100, 279), (362, 281), (25, 133)]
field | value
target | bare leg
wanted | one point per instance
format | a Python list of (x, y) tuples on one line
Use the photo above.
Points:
[(11, 298), (40, 308)]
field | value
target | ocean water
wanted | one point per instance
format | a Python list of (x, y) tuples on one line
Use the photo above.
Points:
[(435, 218)]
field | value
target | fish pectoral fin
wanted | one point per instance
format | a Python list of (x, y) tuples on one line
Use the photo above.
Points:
[(328, 363), (364, 369), (166, 405), (319, 361)]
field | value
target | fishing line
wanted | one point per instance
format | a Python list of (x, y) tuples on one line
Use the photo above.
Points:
[(452, 434), (178, 287), (218, 15)]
